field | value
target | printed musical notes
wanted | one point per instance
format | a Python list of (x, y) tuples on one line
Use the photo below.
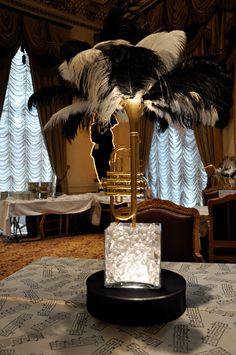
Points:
[(43, 310)]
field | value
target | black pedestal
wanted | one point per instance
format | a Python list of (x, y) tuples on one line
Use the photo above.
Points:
[(140, 306)]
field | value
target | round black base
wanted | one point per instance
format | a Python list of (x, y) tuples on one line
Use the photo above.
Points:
[(140, 306)]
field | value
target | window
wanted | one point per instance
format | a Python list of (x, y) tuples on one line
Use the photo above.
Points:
[(176, 171), (23, 155)]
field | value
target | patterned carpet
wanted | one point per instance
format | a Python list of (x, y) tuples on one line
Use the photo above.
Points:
[(14, 256)]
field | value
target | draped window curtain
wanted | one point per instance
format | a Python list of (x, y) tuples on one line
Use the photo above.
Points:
[(23, 155), (175, 170), (171, 166), (41, 41)]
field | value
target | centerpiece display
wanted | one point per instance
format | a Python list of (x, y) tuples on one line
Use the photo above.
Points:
[(142, 79), (133, 289)]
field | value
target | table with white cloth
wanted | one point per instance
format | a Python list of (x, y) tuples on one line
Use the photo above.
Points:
[(64, 204), (203, 210), (226, 192), (43, 311)]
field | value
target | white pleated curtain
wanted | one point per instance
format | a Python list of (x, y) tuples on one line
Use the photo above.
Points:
[(175, 169), (23, 155)]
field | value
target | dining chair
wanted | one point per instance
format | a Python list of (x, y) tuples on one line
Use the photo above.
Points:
[(52, 225), (180, 239), (222, 228), (208, 193)]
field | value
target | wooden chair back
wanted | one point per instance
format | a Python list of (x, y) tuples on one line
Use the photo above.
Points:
[(180, 239), (222, 228), (211, 192)]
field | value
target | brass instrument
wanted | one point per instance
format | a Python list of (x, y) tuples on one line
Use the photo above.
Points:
[(119, 184)]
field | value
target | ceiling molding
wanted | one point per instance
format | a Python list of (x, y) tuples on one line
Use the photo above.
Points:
[(53, 15), (88, 14), (144, 6)]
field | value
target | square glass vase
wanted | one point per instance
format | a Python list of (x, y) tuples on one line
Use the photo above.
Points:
[(133, 255)]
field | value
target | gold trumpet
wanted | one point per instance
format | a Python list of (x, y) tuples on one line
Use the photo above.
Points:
[(119, 184)]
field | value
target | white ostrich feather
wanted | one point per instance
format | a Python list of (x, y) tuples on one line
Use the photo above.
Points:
[(168, 45), (195, 95), (96, 84), (121, 115), (64, 71), (110, 104), (114, 42), (62, 115), (181, 106), (160, 102), (77, 65), (96, 70), (209, 117), (158, 111)]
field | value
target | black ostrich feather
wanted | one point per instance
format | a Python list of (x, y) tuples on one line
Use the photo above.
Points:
[(192, 92), (132, 68), (72, 47), (73, 123), (47, 94), (162, 124), (118, 25)]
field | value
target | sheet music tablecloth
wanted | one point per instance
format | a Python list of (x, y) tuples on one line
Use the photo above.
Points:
[(43, 311)]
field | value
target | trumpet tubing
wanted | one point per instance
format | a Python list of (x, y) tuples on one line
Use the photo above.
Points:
[(119, 184)]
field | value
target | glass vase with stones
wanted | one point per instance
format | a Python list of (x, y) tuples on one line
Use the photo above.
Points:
[(133, 255)]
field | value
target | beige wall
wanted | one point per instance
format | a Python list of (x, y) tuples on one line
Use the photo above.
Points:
[(82, 34), (82, 175), (229, 132), (229, 139)]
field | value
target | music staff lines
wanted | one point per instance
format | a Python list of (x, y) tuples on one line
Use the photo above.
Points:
[(20, 339), (181, 338), (15, 324), (195, 318), (79, 324), (215, 332), (108, 347)]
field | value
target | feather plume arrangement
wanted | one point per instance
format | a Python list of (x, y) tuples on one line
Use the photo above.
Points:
[(150, 68), (198, 92), (115, 70), (194, 91)]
